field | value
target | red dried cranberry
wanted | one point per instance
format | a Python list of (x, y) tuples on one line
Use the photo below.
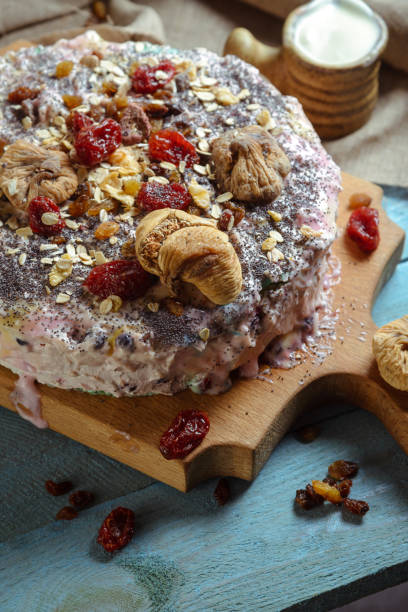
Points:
[(96, 142), (186, 432), (80, 121), (171, 146), (154, 195), (37, 207), (58, 488), (362, 228), (222, 492), (125, 278), (66, 514), (145, 79), (81, 499), (117, 529)]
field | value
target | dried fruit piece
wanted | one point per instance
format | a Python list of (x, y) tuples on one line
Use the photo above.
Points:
[(390, 347), (174, 306), (359, 199), (76, 121), (178, 247), (344, 487), (135, 125), (308, 498), (82, 201), (222, 492), (66, 514), (356, 506), (185, 433), (332, 494), (147, 79), (250, 164), (106, 230), (307, 434), (330, 481), (27, 171), (237, 211), (124, 278), (154, 195), (171, 146), (95, 143), (63, 69), (362, 228), (58, 488), (81, 499), (41, 206), (226, 221), (343, 469), (20, 94), (71, 101), (117, 529)]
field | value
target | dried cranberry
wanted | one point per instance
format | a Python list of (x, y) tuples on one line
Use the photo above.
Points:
[(154, 195), (58, 488), (171, 146), (362, 228), (20, 94), (96, 142), (37, 207), (343, 469), (125, 278), (356, 506), (79, 121), (186, 432), (148, 79), (66, 514), (222, 492), (81, 499), (117, 529)]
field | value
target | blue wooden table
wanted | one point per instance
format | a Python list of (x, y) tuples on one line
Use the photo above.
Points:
[(258, 552)]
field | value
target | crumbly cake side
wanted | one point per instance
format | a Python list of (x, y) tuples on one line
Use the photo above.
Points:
[(55, 331)]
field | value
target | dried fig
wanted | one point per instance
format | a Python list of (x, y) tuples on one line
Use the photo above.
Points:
[(390, 347), (28, 171), (250, 164)]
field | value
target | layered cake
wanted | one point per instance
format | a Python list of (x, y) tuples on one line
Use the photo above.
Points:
[(166, 216)]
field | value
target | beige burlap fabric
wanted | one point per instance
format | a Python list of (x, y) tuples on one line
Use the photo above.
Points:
[(377, 152)]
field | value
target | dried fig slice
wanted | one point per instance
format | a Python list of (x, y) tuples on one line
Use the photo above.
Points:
[(28, 170), (390, 347)]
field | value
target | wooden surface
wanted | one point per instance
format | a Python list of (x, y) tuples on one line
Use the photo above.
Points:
[(249, 420), (256, 553)]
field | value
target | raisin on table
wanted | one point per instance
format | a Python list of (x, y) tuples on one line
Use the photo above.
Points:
[(117, 529)]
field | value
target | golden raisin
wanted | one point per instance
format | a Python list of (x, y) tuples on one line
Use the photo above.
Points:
[(359, 199), (58, 240), (174, 306), (109, 88), (78, 207), (109, 206), (131, 187), (71, 101), (63, 69), (106, 230), (99, 9), (121, 102), (327, 491)]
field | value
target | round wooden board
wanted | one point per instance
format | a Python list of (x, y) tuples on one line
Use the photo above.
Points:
[(249, 420)]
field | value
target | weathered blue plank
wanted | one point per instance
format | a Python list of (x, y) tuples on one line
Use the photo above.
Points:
[(395, 203), (257, 552)]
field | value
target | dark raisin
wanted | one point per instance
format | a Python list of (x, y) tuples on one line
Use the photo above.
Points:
[(81, 499), (356, 506), (307, 434), (331, 481), (222, 492), (307, 498), (58, 488), (66, 514), (344, 487), (343, 469), (21, 342)]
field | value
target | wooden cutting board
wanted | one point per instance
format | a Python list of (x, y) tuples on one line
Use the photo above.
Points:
[(249, 420)]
